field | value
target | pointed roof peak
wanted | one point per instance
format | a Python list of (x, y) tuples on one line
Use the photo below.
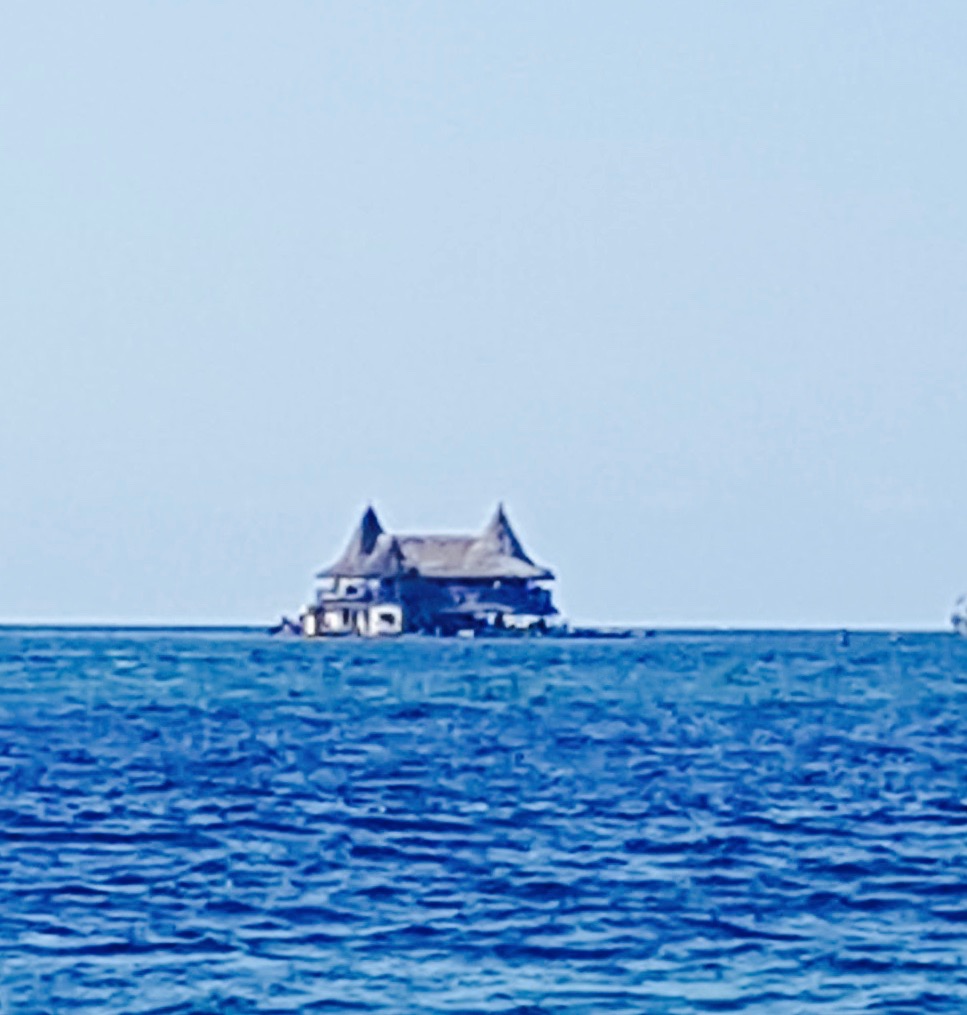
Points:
[(369, 530), (499, 535), (499, 517), (371, 551)]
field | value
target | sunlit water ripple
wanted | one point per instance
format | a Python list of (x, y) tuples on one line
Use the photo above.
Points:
[(685, 823)]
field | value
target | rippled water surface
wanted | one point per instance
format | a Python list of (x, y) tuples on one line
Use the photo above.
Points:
[(684, 823)]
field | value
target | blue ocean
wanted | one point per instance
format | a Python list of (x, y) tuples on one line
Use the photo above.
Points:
[(208, 822)]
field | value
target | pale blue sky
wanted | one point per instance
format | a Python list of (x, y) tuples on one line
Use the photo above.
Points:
[(682, 283)]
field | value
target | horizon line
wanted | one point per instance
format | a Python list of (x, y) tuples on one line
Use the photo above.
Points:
[(255, 626)]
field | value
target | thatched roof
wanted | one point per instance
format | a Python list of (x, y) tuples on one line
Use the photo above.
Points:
[(495, 553)]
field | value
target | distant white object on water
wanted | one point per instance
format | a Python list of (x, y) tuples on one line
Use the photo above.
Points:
[(959, 617)]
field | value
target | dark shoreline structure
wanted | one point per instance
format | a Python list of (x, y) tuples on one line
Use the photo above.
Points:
[(385, 584)]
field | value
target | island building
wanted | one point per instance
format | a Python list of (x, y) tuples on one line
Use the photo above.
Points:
[(386, 584)]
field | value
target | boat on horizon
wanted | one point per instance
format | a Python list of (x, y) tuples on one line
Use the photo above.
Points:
[(958, 618)]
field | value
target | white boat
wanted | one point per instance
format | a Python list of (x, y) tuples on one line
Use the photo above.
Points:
[(959, 617)]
